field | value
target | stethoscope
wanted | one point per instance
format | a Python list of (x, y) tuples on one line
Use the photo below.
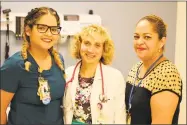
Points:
[(102, 97)]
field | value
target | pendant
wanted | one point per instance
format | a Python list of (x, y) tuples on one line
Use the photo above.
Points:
[(103, 98), (128, 118), (44, 90)]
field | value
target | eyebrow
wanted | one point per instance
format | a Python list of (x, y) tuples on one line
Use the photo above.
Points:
[(143, 34), (98, 43), (46, 25)]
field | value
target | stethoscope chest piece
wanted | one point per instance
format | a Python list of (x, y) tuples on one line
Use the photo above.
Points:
[(103, 98)]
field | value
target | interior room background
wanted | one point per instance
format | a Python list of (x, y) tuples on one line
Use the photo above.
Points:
[(120, 19)]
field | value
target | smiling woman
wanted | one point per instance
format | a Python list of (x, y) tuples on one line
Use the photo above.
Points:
[(154, 86), (33, 79), (91, 96)]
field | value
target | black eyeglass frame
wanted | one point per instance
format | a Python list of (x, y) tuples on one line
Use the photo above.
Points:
[(48, 27)]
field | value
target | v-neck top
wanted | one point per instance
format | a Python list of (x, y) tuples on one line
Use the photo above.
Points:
[(26, 106)]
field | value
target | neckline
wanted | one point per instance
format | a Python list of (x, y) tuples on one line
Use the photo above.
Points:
[(85, 82), (36, 64), (150, 70), (85, 77), (79, 74)]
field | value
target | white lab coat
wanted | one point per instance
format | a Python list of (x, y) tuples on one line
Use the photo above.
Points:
[(114, 87)]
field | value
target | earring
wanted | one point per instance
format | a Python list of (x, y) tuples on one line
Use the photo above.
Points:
[(159, 50)]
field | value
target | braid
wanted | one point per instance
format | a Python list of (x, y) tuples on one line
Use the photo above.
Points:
[(25, 47), (27, 22), (58, 60)]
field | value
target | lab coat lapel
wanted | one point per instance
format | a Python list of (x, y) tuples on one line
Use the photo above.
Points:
[(96, 91), (75, 84)]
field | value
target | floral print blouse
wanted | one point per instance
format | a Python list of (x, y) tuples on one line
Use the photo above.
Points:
[(82, 113)]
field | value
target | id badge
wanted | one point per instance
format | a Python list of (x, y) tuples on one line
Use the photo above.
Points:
[(128, 118), (44, 91), (100, 118)]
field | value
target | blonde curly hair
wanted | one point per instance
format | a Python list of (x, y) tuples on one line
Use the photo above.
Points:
[(31, 19), (108, 46)]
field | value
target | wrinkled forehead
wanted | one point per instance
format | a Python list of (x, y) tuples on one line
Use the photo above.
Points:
[(93, 37)]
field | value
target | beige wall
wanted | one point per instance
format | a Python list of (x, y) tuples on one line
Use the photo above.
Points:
[(180, 54)]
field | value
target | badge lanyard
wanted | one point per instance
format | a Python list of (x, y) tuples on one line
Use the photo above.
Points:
[(131, 92), (43, 87)]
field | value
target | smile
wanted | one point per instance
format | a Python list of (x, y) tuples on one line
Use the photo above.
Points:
[(90, 56), (46, 40), (140, 49)]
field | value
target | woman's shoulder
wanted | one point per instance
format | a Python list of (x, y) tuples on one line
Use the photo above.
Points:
[(110, 70), (69, 69), (13, 61), (166, 67), (167, 77), (113, 77)]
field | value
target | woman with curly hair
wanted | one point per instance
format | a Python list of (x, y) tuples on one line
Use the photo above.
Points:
[(94, 91)]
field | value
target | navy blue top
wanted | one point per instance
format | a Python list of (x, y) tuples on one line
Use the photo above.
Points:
[(26, 106)]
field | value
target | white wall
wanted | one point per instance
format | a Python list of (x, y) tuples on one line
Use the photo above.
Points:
[(180, 54), (119, 17)]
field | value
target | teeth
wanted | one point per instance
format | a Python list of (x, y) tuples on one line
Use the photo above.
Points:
[(46, 40), (91, 56)]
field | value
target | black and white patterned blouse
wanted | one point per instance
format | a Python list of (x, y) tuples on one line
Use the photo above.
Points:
[(82, 100), (163, 77)]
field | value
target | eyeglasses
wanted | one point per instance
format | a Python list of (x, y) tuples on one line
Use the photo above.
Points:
[(42, 28)]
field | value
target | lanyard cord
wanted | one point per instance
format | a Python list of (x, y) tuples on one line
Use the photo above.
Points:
[(40, 70), (131, 92)]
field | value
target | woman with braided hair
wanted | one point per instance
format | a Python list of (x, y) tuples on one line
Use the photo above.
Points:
[(33, 79)]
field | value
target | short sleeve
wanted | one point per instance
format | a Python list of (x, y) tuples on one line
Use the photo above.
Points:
[(10, 74), (168, 78)]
